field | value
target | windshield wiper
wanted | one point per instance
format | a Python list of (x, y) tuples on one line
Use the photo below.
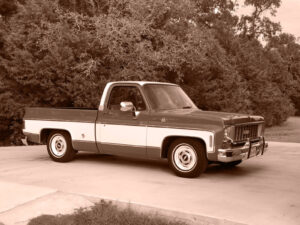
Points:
[(187, 107)]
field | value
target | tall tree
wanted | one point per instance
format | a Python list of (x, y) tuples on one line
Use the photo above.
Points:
[(257, 24), (288, 50)]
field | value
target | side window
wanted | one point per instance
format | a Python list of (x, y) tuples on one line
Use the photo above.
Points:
[(126, 94)]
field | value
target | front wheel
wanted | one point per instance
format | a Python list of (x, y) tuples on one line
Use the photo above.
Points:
[(187, 157), (59, 146)]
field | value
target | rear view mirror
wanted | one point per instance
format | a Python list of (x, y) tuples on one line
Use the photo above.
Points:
[(126, 106)]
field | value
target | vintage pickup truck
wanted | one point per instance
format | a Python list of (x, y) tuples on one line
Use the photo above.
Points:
[(152, 120)]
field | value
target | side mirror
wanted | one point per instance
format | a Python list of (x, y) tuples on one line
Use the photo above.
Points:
[(127, 106)]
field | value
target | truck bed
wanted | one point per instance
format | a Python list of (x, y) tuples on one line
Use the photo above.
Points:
[(61, 114)]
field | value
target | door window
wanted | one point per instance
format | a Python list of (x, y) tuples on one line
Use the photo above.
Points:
[(126, 94)]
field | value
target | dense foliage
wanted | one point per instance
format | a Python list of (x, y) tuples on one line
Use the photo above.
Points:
[(108, 214), (62, 52)]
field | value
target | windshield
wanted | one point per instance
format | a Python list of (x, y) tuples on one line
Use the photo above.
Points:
[(164, 97)]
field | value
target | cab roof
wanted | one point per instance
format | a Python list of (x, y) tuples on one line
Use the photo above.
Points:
[(141, 83)]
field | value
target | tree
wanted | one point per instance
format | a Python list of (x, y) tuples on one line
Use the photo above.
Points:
[(257, 25), (61, 53), (7, 8), (288, 50)]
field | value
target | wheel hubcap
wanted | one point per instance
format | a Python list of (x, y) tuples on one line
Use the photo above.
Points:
[(58, 145), (185, 157)]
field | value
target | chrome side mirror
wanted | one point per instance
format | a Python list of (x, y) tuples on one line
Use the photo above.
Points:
[(127, 106)]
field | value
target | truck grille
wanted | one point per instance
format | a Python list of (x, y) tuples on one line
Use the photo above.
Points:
[(243, 132)]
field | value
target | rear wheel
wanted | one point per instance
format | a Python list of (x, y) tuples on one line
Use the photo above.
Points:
[(59, 146), (187, 157)]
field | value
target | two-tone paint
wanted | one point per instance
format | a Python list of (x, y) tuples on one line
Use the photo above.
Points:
[(146, 135)]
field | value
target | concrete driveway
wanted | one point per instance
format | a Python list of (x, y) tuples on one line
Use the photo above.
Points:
[(262, 190)]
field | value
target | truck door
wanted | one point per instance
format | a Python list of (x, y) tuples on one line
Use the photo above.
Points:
[(123, 133)]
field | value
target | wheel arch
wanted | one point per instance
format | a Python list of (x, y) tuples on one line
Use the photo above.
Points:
[(45, 132), (169, 139)]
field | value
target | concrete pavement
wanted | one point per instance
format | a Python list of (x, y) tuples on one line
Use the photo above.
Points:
[(263, 190)]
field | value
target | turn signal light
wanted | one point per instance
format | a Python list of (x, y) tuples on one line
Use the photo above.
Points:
[(226, 144)]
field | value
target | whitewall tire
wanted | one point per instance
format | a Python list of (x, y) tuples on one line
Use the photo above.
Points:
[(59, 146), (187, 157)]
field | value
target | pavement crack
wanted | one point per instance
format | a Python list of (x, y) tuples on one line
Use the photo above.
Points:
[(28, 202)]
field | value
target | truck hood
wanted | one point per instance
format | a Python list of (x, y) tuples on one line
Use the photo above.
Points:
[(230, 118), (199, 119)]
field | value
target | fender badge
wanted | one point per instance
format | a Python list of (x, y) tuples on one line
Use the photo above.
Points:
[(163, 120)]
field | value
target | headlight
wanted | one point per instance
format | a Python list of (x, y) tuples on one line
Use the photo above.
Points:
[(229, 132), (228, 137)]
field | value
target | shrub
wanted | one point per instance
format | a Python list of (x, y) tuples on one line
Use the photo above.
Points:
[(104, 213)]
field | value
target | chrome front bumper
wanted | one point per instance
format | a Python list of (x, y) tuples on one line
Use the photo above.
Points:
[(246, 151)]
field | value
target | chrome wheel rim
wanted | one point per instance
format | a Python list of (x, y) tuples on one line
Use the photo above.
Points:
[(185, 157), (58, 145)]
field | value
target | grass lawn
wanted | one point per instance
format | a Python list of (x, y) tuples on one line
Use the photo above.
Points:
[(289, 131), (104, 213)]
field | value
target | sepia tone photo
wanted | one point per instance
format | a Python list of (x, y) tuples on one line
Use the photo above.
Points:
[(149, 112)]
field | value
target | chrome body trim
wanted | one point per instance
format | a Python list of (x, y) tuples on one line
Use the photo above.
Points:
[(246, 123), (243, 152)]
